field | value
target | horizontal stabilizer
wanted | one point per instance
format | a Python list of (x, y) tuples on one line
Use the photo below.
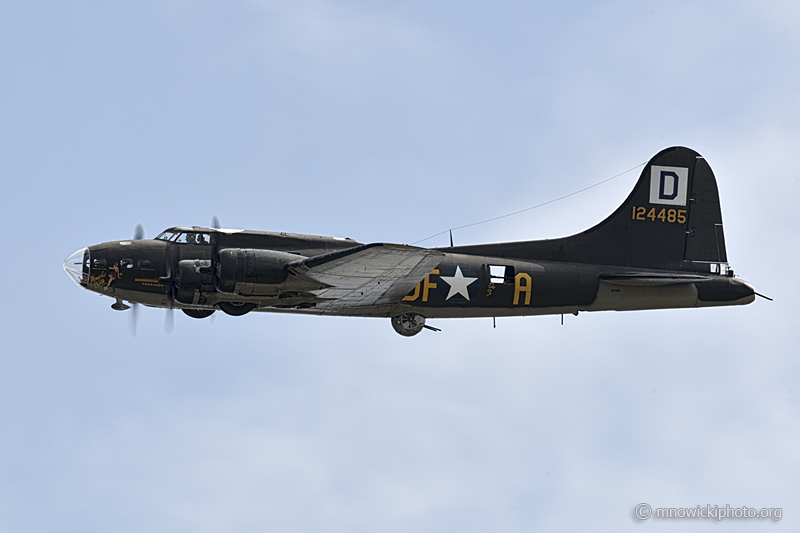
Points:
[(650, 279)]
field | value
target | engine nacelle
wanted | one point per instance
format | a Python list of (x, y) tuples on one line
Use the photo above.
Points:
[(194, 277), (252, 272)]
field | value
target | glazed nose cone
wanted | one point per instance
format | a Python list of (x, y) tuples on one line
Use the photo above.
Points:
[(77, 266)]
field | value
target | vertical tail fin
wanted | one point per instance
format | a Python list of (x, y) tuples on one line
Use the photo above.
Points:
[(671, 220)]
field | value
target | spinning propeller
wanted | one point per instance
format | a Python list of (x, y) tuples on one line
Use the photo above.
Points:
[(168, 279), (138, 234), (169, 320)]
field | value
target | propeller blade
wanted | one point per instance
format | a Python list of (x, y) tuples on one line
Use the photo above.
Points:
[(171, 293), (169, 321), (133, 319), (169, 281), (138, 232), (167, 259), (214, 249)]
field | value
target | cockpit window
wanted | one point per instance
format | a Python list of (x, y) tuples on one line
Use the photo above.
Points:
[(167, 236), (188, 237), (193, 238)]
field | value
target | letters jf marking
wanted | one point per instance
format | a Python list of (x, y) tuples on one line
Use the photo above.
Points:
[(668, 185)]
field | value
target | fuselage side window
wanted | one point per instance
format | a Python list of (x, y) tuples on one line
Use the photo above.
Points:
[(126, 262), (501, 274)]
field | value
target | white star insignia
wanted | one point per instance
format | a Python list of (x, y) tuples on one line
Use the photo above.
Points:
[(458, 284)]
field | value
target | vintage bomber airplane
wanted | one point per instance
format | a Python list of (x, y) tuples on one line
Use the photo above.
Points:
[(662, 248)]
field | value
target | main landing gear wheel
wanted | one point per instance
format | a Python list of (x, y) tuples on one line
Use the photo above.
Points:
[(408, 324), (234, 309), (198, 313)]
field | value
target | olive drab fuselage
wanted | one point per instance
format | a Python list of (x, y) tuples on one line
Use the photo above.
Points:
[(663, 248)]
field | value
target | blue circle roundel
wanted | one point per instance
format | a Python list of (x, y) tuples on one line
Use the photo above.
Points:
[(458, 284)]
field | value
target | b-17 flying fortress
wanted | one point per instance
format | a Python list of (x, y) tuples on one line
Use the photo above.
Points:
[(664, 247)]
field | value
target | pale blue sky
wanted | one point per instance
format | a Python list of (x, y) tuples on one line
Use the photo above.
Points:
[(389, 123)]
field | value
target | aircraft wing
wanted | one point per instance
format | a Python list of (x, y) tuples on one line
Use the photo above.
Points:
[(370, 274)]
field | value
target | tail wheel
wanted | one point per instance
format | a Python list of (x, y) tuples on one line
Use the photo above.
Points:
[(408, 324), (235, 309)]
